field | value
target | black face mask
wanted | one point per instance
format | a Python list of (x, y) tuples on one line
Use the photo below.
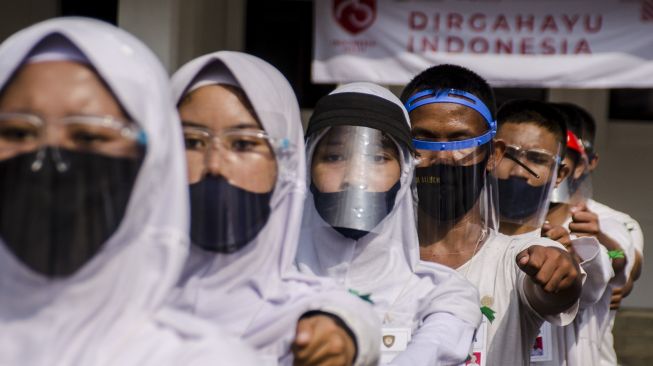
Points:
[(518, 199), (447, 192), (225, 218), (339, 209), (55, 221)]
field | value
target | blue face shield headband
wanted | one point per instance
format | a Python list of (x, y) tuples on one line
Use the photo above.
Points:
[(458, 97)]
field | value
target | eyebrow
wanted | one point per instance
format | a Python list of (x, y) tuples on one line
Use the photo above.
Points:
[(462, 133), (240, 126)]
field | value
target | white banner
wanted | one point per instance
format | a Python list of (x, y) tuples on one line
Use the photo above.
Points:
[(543, 43)]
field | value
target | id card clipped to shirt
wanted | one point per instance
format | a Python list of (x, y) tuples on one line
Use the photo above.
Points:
[(479, 346), (541, 350), (393, 342)]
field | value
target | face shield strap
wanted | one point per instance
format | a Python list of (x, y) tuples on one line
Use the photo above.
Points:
[(454, 145), (466, 99), (364, 110)]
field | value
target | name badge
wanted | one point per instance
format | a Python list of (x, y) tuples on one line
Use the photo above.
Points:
[(541, 350), (393, 342), (477, 357)]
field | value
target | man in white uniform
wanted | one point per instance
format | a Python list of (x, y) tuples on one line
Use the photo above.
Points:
[(613, 221), (521, 281), (535, 135)]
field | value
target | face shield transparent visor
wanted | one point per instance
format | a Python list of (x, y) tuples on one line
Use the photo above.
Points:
[(452, 179), (355, 175), (64, 186), (525, 179)]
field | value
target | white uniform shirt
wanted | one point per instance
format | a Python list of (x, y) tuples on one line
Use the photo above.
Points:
[(574, 344), (493, 270), (611, 221)]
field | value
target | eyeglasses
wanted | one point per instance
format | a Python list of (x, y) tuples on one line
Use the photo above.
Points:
[(242, 154), (236, 145), (531, 160), (25, 132)]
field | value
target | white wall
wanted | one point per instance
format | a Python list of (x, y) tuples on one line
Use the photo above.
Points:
[(178, 31), (15, 15)]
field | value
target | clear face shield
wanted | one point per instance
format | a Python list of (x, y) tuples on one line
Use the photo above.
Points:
[(64, 186), (355, 177), (576, 188), (526, 177), (232, 175), (452, 180)]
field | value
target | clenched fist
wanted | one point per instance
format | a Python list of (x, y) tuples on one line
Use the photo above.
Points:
[(557, 233), (584, 222), (320, 341), (551, 268)]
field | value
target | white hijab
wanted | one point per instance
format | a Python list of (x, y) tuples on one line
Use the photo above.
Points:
[(110, 311), (385, 263), (256, 292)]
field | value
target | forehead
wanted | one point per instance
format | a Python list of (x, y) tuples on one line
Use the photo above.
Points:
[(529, 136), (57, 88), (448, 118), (216, 107), (54, 74)]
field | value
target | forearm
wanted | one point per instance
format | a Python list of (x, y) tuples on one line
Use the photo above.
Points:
[(637, 267), (618, 264), (634, 275), (548, 303)]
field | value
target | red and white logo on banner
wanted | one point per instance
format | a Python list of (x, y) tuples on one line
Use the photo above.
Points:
[(354, 16)]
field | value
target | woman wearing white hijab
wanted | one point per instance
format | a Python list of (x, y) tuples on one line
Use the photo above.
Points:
[(93, 205), (359, 228), (244, 148)]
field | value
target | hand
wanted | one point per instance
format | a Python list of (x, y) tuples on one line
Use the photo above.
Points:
[(584, 222), (615, 300), (618, 294), (551, 268), (320, 341), (557, 233)]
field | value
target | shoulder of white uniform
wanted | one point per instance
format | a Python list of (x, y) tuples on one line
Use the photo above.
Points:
[(599, 208), (606, 212), (440, 275), (434, 270), (200, 342), (521, 243)]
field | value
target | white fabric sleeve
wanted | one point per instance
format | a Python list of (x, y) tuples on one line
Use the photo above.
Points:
[(361, 319), (617, 231), (597, 265), (173, 337), (561, 319), (452, 294), (442, 339)]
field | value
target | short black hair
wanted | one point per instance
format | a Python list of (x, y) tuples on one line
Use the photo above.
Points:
[(536, 112), (452, 77), (572, 121)]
